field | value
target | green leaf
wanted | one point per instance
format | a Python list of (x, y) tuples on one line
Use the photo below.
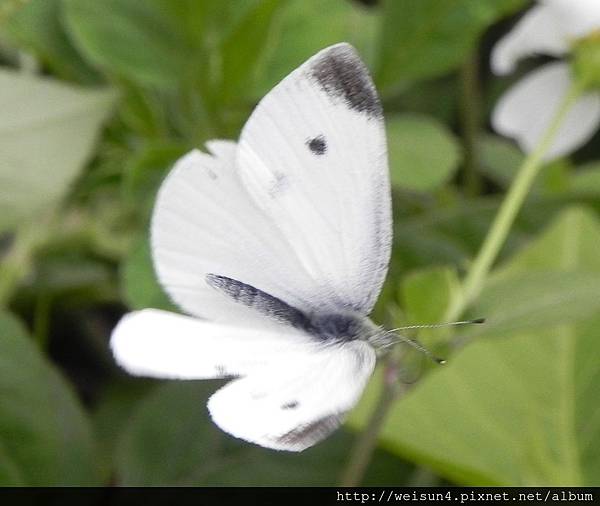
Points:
[(438, 98), (139, 285), (166, 44), (47, 133), (243, 48), (433, 232), (423, 153), (519, 409), (426, 294), (68, 273), (516, 411), (569, 244), (37, 26), (146, 170), (536, 299), (555, 279), (555, 178), (426, 247), (113, 412), (45, 438), (143, 41), (10, 474), (170, 440), (500, 159), (428, 38), (586, 180), (304, 30)]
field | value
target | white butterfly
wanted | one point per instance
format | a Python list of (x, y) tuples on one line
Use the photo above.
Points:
[(278, 246)]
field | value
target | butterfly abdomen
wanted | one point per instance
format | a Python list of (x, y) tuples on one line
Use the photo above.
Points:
[(260, 301), (342, 326)]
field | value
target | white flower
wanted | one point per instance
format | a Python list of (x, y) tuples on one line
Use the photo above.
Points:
[(524, 112)]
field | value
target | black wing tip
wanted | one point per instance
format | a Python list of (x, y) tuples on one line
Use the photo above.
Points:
[(215, 281), (340, 49), (341, 73)]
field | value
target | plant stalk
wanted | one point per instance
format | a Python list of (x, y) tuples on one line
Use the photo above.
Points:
[(362, 452), (365, 446), (507, 213)]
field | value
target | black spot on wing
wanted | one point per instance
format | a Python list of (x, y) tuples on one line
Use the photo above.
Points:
[(318, 145), (306, 435), (258, 300), (341, 74), (290, 405)]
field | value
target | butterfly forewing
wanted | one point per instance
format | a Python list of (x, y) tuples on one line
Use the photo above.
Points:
[(204, 223), (313, 157)]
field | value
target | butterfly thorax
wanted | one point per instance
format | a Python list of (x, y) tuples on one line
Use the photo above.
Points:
[(340, 326)]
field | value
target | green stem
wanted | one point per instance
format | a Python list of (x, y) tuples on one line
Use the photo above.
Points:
[(511, 205), (361, 453), (470, 117)]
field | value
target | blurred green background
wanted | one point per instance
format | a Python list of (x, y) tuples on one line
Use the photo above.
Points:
[(98, 98)]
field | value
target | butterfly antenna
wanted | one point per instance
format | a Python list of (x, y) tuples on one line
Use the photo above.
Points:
[(417, 345), (438, 325)]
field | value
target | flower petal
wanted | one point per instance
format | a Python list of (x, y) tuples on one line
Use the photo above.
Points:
[(539, 31), (548, 28), (525, 111), (578, 17)]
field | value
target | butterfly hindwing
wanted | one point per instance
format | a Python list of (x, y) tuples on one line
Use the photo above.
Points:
[(295, 403)]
